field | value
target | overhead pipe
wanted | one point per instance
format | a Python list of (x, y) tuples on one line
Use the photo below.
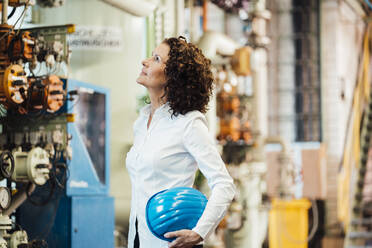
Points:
[(205, 11), (277, 140), (191, 22), (357, 6), (213, 43), (180, 17), (133, 7)]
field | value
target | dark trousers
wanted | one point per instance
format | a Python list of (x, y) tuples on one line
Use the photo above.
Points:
[(136, 239), (137, 244)]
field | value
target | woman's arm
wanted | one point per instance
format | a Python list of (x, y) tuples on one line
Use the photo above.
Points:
[(201, 146)]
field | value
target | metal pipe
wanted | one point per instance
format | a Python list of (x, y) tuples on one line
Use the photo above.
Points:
[(4, 17), (180, 17), (214, 43), (191, 23), (357, 7), (137, 8), (277, 140)]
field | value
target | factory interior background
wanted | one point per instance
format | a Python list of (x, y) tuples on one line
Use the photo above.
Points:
[(291, 115)]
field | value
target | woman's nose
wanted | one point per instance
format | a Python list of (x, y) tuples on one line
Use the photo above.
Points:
[(145, 62)]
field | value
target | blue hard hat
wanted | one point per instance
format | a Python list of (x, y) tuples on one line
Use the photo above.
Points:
[(174, 209)]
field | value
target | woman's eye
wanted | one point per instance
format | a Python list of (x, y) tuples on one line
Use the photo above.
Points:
[(157, 58)]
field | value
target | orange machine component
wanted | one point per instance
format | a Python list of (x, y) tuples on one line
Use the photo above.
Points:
[(224, 129), (240, 61), (47, 93), (246, 132), (56, 94), (14, 47), (13, 86), (17, 3), (235, 104), (235, 128), (21, 46)]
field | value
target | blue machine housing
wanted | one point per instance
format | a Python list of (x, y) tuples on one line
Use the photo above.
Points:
[(84, 177), (82, 215)]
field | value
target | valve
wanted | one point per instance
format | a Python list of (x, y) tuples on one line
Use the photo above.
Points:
[(6, 164), (19, 238), (32, 166)]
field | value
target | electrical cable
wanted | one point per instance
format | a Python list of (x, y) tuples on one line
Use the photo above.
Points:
[(49, 227), (71, 99), (12, 13), (23, 17), (12, 28), (58, 165), (31, 71), (18, 226), (62, 184)]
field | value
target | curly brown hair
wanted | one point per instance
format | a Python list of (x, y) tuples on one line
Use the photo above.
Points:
[(189, 77)]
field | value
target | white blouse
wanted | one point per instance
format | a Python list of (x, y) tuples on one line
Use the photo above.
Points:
[(167, 155)]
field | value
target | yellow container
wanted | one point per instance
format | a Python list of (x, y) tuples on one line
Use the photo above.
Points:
[(288, 223)]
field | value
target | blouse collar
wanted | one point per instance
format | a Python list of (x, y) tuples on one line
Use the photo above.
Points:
[(163, 110)]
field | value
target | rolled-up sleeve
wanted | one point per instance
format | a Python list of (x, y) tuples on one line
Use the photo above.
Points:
[(201, 146)]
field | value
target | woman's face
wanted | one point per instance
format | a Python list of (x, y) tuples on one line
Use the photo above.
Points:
[(152, 75)]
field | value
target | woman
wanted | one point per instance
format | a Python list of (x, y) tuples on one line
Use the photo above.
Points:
[(171, 142)]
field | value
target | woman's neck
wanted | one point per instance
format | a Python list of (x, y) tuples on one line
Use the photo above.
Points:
[(156, 100)]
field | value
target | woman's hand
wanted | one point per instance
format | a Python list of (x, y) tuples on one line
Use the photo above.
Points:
[(184, 238)]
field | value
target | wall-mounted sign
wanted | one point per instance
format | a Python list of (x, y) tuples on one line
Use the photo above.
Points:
[(96, 38)]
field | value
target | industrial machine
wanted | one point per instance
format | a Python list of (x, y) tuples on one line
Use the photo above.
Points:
[(83, 208), (48, 197)]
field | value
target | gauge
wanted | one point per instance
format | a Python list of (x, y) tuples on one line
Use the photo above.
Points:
[(5, 197)]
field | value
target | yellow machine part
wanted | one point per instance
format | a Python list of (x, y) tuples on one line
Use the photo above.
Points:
[(13, 85), (240, 61), (288, 223), (352, 147)]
